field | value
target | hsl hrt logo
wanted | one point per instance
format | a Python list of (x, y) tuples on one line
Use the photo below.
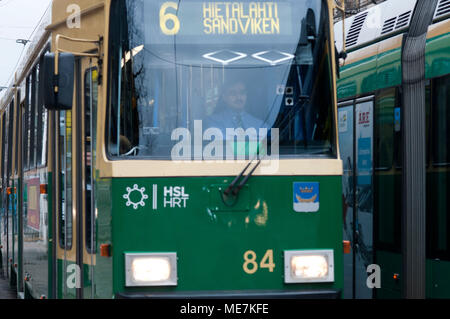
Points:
[(175, 197)]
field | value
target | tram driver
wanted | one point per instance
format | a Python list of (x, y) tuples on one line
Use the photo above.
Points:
[(232, 109)]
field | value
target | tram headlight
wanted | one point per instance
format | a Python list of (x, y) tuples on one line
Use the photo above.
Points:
[(304, 266), (150, 269)]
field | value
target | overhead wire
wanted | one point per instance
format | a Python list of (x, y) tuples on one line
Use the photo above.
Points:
[(24, 46)]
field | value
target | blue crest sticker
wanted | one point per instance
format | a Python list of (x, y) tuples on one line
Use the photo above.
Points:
[(306, 197)]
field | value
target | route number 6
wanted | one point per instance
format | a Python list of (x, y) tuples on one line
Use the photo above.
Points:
[(165, 17), (250, 265)]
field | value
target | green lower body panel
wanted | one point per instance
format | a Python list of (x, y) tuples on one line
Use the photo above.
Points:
[(226, 244)]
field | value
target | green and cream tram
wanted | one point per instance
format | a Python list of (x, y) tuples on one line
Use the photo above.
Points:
[(191, 151)]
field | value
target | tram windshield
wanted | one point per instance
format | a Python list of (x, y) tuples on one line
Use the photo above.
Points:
[(190, 73)]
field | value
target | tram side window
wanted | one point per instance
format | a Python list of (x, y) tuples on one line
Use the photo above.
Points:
[(387, 180), (429, 119), (4, 146), (26, 125), (10, 137), (438, 176), (41, 141), (33, 119), (16, 139), (65, 160), (441, 121), (90, 102), (385, 126)]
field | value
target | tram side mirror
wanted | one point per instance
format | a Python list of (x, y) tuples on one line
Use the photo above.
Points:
[(308, 32), (304, 55), (58, 89)]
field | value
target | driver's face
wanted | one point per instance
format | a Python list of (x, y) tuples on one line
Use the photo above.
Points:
[(236, 96)]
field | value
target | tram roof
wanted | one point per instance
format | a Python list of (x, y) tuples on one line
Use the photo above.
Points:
[(382, 21), (37, 43)]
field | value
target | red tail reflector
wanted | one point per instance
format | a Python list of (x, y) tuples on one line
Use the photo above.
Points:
[(43, 189), (105, 250), (347, 246)]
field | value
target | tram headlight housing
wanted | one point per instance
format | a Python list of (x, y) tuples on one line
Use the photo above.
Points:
[(308, 266), (150, 269)]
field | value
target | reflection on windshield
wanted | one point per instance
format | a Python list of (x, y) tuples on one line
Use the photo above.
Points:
[(176, 84)]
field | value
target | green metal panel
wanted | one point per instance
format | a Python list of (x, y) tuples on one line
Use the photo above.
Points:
[(15, 230), (18, 235), (384, 70), (438, 282), (390, 263), (389, 70), (211, 243), (51, 236), (437, 57), (103, 276), (438, 279), (358, 77), (64, 292)]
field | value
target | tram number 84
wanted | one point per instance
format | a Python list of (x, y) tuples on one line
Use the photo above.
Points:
[(250, 265)]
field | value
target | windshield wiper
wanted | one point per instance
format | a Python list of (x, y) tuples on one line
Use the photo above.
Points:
[(235, 191)]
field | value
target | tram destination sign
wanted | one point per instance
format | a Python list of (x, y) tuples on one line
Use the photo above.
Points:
[(213, 20)]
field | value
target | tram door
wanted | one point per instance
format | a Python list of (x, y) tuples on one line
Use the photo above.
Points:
[(69, 265), (356, 144), (88, 137), (75, 191)]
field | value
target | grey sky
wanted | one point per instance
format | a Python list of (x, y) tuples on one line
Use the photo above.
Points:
[(18, 18)]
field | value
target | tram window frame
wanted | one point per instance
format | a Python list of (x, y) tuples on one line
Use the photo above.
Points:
[(33, 118), (436, 115), (93, 140), (65, 192), (42, 121), (396, 165), (438, 218), (6, 141), (10, 137), (26, 125), (4, 145), (428, 122), (16, 129), (398, 136), (377, 130)]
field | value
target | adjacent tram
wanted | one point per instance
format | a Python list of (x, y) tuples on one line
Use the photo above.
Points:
[(171, 149), (370, 116)]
